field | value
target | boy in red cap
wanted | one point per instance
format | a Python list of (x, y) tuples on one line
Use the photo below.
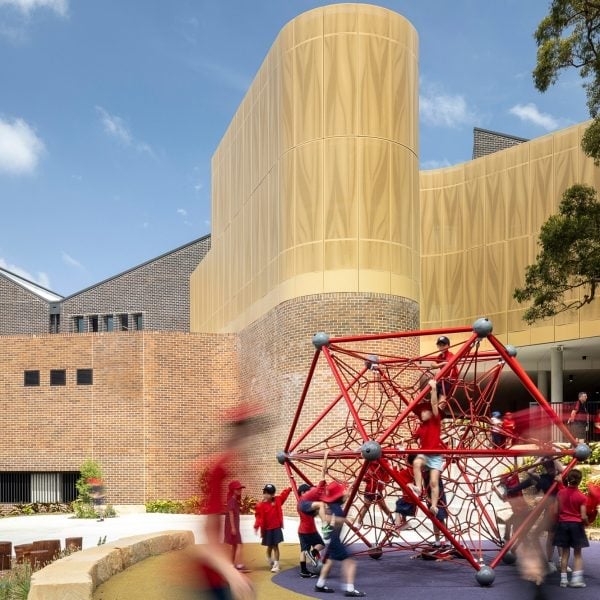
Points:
[(334, 497), (269, 518), (232, 535)]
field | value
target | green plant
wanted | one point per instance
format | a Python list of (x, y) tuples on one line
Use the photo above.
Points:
[(89, 469), (165, 506), (247, 505), (83, 510), (109, 511), (15, 585)]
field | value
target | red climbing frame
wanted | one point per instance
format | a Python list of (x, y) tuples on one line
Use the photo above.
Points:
[(357, 405)]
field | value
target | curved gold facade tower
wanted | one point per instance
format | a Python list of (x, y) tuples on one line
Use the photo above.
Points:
[(315, 183)]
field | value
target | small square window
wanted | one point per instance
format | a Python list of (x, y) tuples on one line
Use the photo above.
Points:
[(79, 324), (31, 378), (58, 377), (85, 376), (109, 323), (94, 323), (138, 321), (124, 322)]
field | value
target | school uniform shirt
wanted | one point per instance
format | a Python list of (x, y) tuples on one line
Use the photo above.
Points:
[(429, 433), (269, 515), (570, 500), (307, 522)]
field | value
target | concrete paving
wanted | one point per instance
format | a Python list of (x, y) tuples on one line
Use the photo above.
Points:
[(26, 529)]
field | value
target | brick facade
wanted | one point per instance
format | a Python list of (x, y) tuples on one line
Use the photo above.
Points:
[(154, 406), (23, 312), (276, 352), (159, 290), (487, 142), (157, 400)]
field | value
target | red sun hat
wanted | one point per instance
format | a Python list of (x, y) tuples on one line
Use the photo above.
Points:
[(334, 491), (235, 485)]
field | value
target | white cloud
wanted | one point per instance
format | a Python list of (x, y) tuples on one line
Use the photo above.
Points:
[(444, 110), (41, 278), (69, 260), (20, 147), (115, 127), (182, 212), (26, 7), (435, 164), (530, 113)]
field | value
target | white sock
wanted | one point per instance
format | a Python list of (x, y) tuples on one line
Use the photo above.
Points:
[(349, 587), (321, 582), (577, 575)]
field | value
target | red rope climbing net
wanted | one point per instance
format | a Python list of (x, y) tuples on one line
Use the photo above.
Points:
[(357, 408)]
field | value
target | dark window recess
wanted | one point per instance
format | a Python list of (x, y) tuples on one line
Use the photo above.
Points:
[(138, 321), (85, 376), (38, 487), (124, 322), (79, 325), (58, 377), (54, 323), (109, 323), (94, 323), (31, 378)]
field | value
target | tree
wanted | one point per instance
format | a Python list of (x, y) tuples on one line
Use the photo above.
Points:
[(569, 258), (569, 36)]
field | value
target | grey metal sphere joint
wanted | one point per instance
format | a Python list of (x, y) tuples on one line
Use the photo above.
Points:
[(483, 327), (582, 452), (371, 450), (282, 457), (510, 350), (485, 576), (320, 339)]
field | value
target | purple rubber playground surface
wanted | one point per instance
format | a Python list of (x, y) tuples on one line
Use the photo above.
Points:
[(397, 575)]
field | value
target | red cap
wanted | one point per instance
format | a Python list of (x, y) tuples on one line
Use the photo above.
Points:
[(235, 485), (334, 491)]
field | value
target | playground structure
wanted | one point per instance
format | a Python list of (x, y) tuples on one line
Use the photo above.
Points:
[(357, 408)]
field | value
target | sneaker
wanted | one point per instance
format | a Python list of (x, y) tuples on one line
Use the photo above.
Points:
[(355, 594), (551, 568), (564, 583), (577, 583), (323, 589), (307, 575), (275, 569)]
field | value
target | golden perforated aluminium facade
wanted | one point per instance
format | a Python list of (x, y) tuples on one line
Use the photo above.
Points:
[(480, 223), (315, 183)]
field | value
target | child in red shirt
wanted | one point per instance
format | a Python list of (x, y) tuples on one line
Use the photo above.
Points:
[(570, 531), (269, 518)]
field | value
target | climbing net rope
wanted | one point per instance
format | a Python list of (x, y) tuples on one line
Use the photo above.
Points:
[(359, 410)]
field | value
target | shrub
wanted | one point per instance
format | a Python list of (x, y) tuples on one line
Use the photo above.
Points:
[(165, 506)]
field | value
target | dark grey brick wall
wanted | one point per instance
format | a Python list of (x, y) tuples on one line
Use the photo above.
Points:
[(21, 311), (158, 289), (487, 142)]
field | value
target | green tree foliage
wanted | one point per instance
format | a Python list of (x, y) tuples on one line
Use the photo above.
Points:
[(89, 469), (569, 37), (569, 258)]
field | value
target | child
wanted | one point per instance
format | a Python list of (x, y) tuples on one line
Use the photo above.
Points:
[(429, 436), (405, 507), (269, 518), (570, 531), (334, 497), (232, 535), (309, 505), (375, 480)]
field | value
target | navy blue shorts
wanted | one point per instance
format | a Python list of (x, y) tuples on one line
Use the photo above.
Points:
[(272, 537), (309, 540), (570, 535), (443, 387), (336, 550), (405, 508)]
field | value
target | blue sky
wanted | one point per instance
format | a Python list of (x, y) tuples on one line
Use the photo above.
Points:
[(110, 111)]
